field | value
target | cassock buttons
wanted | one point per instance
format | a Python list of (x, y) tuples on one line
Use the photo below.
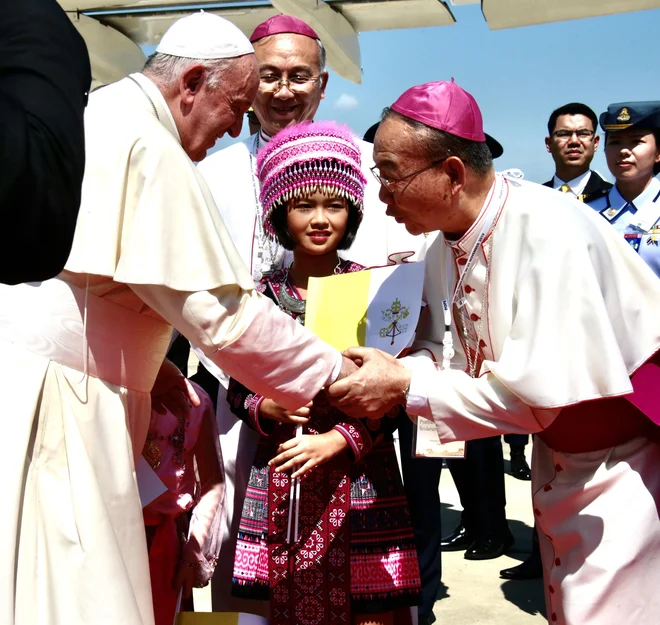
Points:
[(482, 343), (551, 589), (468, 288), (537, 512), (547, 488), (462, 261), (557, 562), (474, 317), (558, 468), (554, 616)]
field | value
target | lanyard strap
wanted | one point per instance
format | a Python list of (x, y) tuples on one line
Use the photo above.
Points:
[(491, 211)]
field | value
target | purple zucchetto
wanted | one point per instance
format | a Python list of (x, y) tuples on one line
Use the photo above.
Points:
[(445, 106), (280, 24)]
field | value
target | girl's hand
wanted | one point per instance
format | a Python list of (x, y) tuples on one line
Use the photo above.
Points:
[(307, 452), (270, 410)]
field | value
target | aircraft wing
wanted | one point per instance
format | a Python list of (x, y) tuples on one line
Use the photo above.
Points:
[(512, 13), (114, 30)]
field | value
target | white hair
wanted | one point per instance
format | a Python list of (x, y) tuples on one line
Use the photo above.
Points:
[(166, 68), (322, 56)]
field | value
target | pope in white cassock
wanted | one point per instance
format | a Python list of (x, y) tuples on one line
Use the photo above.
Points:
[(539, 319), (292, 84), (81, 352)]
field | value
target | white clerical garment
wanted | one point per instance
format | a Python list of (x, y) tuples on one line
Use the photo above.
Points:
[(380, 240), (558, 311), (81, 352)]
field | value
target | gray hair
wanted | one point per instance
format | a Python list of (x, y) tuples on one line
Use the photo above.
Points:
[(439, 144), (322, 56), (166, 68)]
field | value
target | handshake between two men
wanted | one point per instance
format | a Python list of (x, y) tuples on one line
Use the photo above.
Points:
[(370, 384)]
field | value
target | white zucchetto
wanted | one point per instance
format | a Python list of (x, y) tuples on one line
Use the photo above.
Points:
[(204, 36)]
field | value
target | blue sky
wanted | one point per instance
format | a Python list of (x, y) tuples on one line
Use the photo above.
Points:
[(518, 76)]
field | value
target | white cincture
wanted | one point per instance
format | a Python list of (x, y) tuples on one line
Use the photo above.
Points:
[(294, 501), (85, 348)]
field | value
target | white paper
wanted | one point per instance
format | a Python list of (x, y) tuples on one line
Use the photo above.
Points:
[(426, 443), (395, 302), (149, 484)]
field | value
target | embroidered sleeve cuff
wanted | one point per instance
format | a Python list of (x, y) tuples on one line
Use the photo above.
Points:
[(356, 435), (251, 404)]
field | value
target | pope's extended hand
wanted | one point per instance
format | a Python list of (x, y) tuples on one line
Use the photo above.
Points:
[(173, 392), (375, 388)]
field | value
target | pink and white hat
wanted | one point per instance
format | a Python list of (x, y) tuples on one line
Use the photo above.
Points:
[(307, 157)]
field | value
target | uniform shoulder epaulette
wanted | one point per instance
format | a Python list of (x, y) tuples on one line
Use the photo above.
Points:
[(590, 197)]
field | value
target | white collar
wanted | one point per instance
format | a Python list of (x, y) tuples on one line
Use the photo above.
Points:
[(258, 142), (647, 204), (577, 185), (163, 113), (467, 241)]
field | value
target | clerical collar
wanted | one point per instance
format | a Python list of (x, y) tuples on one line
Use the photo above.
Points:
[(647, 204), (263, 137), (577, 185), (496, 195)]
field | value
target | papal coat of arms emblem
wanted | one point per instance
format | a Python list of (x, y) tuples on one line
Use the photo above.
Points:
[(394, 315)]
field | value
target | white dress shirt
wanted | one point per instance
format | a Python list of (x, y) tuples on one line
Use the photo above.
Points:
[(577, 185)]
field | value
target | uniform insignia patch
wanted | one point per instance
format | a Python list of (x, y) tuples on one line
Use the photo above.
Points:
[(624, 116)]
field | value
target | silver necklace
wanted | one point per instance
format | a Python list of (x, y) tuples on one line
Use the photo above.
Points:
[(293, 304), (153, 106)]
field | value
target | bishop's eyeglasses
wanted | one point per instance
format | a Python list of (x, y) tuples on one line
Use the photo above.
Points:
[(389, 183), (297, 83)]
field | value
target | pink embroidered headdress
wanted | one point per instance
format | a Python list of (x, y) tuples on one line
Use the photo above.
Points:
[(306, 157)]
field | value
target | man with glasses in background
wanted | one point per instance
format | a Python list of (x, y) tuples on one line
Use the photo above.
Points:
[(292, 83), (572, 141)]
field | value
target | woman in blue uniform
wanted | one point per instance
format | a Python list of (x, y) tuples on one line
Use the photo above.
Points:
[(632, 149)]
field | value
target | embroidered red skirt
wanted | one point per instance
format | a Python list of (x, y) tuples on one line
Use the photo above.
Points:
[(355, 550)]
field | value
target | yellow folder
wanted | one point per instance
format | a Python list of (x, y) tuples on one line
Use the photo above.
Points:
[(337, 308)]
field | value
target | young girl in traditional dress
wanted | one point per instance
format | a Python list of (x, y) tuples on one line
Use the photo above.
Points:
[(185, 454), (347, 555)]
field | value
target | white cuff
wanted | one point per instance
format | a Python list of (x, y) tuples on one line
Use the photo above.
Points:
[(336, 370), (422, 369)]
